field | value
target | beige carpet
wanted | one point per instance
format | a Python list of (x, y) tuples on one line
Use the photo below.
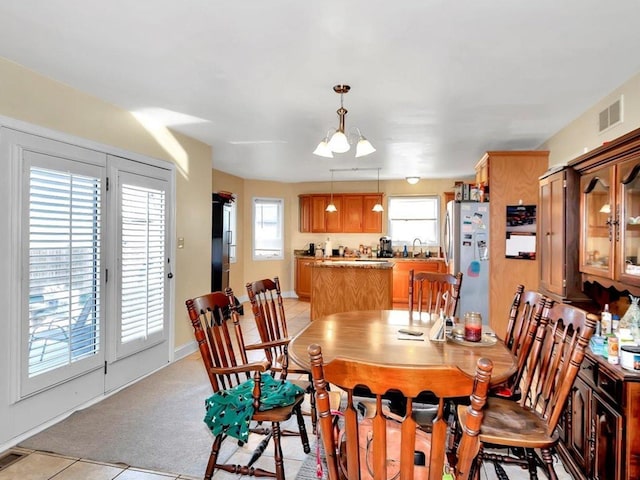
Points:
[(155, 424)]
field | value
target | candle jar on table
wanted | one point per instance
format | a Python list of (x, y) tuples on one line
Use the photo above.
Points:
[(472, 327)]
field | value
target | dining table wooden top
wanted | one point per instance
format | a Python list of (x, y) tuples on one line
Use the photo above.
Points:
[(372, 336)]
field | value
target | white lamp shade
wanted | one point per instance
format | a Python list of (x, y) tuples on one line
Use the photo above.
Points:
[(339, 142), (378, 208), (323, 149), (413, 180), (364, 147), (331, 208)]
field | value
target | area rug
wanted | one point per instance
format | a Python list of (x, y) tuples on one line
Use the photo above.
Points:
[(155, 424)]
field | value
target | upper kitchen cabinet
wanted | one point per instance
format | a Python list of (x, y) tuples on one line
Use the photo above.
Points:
[(322, 221), (610, 213), (354, 213), (559, 220), (305, 214), (371, 221), (482, 170)]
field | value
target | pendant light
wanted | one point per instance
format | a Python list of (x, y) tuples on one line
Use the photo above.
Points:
[(378, 206), (331, 207), (339, 141)]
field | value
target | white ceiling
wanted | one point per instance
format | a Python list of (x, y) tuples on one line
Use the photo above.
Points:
[(435, 83)]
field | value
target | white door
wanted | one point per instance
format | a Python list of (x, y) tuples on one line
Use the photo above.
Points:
[(87, 274), (139, 331)]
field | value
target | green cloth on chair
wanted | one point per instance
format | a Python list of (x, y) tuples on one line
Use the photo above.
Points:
[(230, 411)]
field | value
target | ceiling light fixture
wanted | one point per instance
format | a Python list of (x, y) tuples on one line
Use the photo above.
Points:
[(339, 141), (378, 206), (331, 207), (413, 180)]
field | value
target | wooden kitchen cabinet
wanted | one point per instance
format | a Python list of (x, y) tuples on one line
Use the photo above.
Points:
[(559, 238), (333, 220), (482, 170), (401, 277), (323, 221), (514, 179), (318, 221), (303, 277), (305, 214), (371, 221), (354, 213)]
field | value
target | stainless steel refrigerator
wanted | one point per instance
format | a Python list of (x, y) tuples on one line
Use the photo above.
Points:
[(466, 247)]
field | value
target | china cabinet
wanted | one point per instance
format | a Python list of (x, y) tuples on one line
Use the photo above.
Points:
[(610, 214), (600, 436), (598, 431), (559, 219)]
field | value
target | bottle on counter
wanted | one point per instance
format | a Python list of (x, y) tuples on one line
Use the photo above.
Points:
[(327, 248), (605, 321), (405, 252), (613, 347)]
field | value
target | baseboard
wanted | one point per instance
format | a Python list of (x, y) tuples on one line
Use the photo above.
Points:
[(185, 350)]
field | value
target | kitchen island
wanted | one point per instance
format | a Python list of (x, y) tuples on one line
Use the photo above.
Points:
[(347, 285)]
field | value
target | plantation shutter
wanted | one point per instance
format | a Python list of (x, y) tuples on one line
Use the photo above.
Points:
[(142, 263), (64, 255)]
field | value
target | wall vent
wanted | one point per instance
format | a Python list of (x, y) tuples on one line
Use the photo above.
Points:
[(610, 116), (9, 458)]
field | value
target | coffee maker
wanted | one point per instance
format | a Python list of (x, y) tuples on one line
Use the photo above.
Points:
[(385, 250)]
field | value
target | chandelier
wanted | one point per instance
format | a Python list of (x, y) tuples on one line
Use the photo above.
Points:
[(339, 141)]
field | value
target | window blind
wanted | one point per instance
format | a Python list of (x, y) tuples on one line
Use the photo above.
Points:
[(143, 262), (64, 253)]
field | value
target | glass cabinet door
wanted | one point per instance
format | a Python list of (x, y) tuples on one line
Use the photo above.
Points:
[(599, 223), (629, 263)]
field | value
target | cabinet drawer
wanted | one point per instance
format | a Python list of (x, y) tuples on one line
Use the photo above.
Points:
[(589, 371), (608, 386)]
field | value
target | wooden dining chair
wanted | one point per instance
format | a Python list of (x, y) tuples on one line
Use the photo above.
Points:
[(373, 455), (269, 314), (224, 354), (530, 423), (524, 318), (432, 292)]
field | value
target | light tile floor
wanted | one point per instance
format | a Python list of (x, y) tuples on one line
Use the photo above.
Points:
[(48, 466)]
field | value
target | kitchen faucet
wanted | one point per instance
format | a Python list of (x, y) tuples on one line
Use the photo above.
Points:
[(413, 247)]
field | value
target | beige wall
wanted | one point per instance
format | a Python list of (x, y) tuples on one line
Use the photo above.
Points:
[(30, 97), (246, 270), (581, 135)]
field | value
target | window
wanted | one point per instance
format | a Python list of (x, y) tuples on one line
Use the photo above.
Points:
[(142, 248), (64, 268), (414, 217), (268, 239)]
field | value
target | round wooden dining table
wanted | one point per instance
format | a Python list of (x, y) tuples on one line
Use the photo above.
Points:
[(372, 336)]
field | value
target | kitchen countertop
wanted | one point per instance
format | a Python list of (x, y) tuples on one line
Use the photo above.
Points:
[(374, 259), (363, 263)]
